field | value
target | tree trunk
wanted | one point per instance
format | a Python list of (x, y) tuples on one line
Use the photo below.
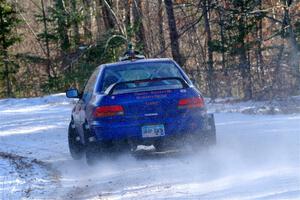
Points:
[(75, 26), (211, 77), (285, 30), (46, 40), (127, 6), (259, 56), (245, 71), (173, 32), (7, 73), (294, 50), (87, 26), (108, 19), (98, 20), (228, 88), (244, 63), (138, 21), (161, 37)]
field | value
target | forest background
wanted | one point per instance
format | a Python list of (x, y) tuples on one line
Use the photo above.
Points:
[(249, 49)]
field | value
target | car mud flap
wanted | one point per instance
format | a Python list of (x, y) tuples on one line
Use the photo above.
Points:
[(209, 136), (210, 122)]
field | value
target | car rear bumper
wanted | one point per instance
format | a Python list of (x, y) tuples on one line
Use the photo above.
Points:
[(175, 126)]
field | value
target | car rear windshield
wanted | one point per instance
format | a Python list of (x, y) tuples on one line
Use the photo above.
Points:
[(141, 71)]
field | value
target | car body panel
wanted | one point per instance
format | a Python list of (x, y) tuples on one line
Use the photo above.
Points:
[(155, 107)]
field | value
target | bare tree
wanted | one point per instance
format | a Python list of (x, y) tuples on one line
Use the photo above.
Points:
[(161, 37), (175, 48), (46, 40), (138, 21), (87, 22), (75, 26), (108, 19), (210, 62), (98, 19)]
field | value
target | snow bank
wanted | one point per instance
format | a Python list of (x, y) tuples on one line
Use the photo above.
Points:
[(49, 99), (36, 103), (289, 105)]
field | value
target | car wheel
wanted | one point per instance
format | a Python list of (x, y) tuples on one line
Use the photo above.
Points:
[(75, 147), (92, 149)]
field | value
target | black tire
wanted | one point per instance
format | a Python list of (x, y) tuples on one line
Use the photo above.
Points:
[(92, 149), (75, 147)]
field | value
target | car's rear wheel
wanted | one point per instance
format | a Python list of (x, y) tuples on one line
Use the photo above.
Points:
[(75, 147), (92, 148)]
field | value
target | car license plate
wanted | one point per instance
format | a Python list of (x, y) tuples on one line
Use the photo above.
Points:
[(153, 131)]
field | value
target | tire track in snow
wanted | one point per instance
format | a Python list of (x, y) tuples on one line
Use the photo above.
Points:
[(33, 174)]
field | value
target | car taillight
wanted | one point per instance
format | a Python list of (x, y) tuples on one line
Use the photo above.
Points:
[(106, 111), (195, 102)]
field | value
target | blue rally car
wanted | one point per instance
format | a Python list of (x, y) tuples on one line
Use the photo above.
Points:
[(138, 102)]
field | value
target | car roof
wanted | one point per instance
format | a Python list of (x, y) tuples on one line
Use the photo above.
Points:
[(137, 61)]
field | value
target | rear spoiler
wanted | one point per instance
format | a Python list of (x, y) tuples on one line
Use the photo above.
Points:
[(112, 87)]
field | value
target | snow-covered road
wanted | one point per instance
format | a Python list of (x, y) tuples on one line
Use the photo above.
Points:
[(257, 157)]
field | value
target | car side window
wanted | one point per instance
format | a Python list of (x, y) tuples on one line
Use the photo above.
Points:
[(90, 85)]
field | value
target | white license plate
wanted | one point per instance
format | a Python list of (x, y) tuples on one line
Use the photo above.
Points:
[(153, 131)]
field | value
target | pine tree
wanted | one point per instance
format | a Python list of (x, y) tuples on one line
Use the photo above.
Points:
[(8, 22), (242, 24)]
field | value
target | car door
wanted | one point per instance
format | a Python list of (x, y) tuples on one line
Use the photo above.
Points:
[(75, 114), (87, 95)]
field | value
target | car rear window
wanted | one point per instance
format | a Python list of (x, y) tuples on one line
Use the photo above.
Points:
[(140, 71)]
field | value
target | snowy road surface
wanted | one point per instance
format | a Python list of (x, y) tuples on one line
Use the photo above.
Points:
[(257, 157)]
